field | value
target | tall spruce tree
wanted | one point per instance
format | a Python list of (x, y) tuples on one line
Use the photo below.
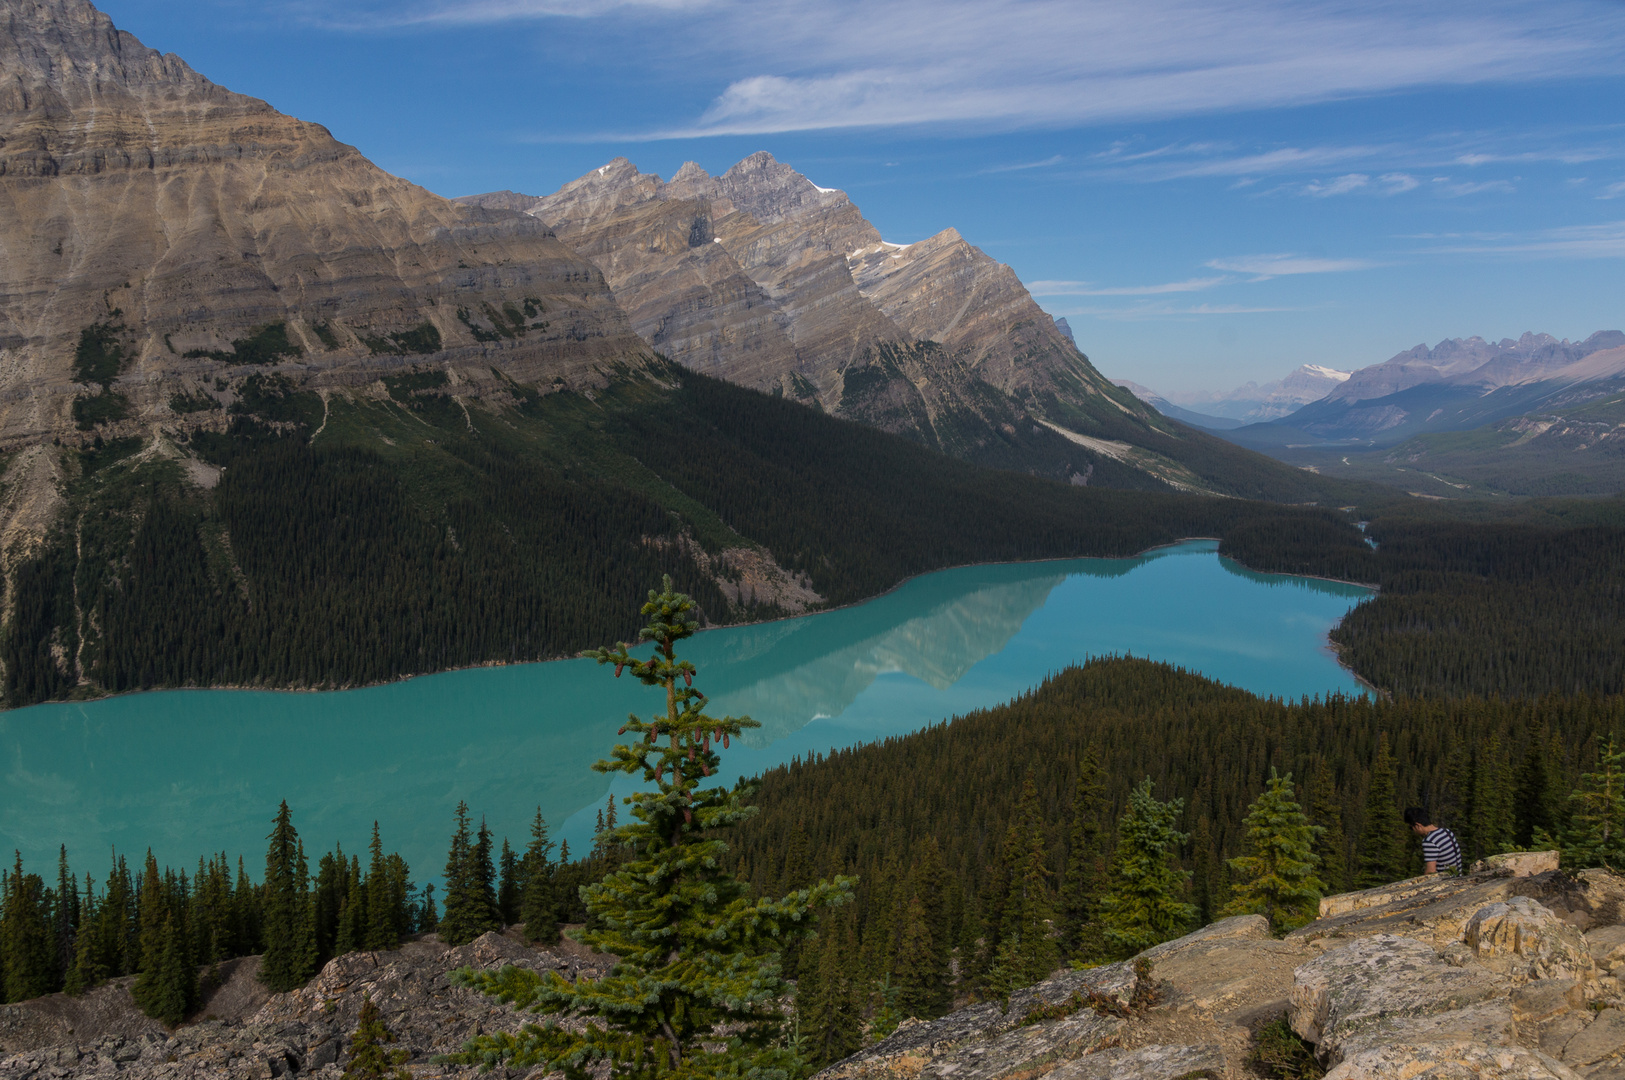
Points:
[(1331, 843), (288, 918), (1027, 949), (510, 885), (466, 913), (694, 992), (538, 905), (27, 946), (1078, 907), (918, 981), (829, 1001), (173, 989), (1277, 879), (1383, 855), (1539, 790), (382, 932), (1493, 822), (1596, 833), (1145, 901)]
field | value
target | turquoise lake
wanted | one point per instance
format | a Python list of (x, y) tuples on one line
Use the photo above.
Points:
[(189, 772)]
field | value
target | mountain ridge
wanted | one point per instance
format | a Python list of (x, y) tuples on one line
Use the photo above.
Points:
[(764, 278)]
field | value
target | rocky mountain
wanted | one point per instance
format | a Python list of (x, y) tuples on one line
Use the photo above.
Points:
[(762, 277), (1509, 973), (166, 238), (1255, 403)]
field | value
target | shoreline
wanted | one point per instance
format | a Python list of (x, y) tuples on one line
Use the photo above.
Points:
[(724, 626)]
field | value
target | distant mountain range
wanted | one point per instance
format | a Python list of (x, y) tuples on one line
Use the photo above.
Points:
[(1536, 415), (1252, 403), (1459, 384)]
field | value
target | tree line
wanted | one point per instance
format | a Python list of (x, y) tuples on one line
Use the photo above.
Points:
[(172, 930)]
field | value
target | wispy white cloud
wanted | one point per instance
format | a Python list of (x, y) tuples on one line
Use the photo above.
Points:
[(1089, 288), (1601, 241), (1141, 312), (798, 65), (1046, 163), (1392, 163), (1613, 191), (1268, 266), (1459, 189), (1341, 186)]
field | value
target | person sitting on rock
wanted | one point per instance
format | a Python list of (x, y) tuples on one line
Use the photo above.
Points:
[(1439, 848)]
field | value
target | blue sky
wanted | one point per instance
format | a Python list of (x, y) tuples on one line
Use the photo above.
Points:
[(1210, 192)]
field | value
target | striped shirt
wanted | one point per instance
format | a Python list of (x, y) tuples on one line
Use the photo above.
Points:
[(1440, 848)]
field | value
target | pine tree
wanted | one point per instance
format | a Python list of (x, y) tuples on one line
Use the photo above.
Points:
[(995, 893), (351, 933), (1277, 879), (915, 973), (466, 913), (486, 877), (1078, 909), (1493, 824), (697, 953), (173, 990), (64, 915), (1539, 786), (1383, 856), (1026, 950), (510, 888), (370, 1056), (288, 919), (1331, 843), (154, 915), (538, 905), (27, 947), (829, 1013), (428, 917), (381, 932), (89, 968), (1596, 833), (1144, 904)]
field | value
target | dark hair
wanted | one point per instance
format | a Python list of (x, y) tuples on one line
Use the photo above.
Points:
[(1415, 815)]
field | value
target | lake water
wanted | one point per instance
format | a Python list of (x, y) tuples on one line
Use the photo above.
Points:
[(194, 771)]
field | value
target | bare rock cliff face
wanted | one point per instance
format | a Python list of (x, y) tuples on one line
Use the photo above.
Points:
[(763, 278), (159, 233)]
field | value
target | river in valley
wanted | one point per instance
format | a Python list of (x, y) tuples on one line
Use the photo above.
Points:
[(188, 772)]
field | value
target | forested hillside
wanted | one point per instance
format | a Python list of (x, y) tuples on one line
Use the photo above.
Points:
[(347, 540), (938, 828), (1523, 607)]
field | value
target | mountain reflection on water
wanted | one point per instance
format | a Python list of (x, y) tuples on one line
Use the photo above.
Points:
[(192, 771)]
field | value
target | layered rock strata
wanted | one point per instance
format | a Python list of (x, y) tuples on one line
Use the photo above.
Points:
[(161, 235), (761, 277)]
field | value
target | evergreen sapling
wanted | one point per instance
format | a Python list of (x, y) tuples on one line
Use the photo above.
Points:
[(695, 991)]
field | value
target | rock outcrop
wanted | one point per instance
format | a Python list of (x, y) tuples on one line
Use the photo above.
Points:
[(1496, 975), (763, 278), (243, 1031)]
